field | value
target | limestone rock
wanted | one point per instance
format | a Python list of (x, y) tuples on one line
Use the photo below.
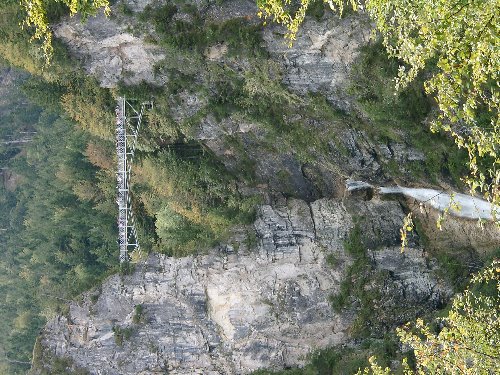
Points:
[(320, 58), (109, 51), (232, 312)]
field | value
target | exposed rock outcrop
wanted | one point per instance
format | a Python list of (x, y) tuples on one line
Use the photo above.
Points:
[(234, 311), (260, 301), (321, 57), (110, 51), (114, 49)]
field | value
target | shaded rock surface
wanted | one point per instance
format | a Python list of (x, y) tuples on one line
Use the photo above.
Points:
[(232, 312), (468, 221), (320, 58), (456, 232)]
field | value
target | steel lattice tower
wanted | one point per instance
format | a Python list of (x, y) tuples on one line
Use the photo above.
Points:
[(128, 124)]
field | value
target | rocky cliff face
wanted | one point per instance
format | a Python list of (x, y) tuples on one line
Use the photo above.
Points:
[(110, 51), (115, 49), (262, 300), (234, 310), (122, 49), (321, 57)]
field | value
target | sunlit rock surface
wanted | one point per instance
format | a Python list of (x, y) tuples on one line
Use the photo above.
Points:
[(321, 57), (260, 303), (110, 51)]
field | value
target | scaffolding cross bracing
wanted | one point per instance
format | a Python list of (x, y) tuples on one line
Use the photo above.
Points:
[(128, 124)]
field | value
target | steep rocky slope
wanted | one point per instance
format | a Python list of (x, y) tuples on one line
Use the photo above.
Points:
[(327, 142), (236, 310)]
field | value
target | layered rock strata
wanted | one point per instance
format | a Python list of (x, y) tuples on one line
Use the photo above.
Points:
[(242, 306)]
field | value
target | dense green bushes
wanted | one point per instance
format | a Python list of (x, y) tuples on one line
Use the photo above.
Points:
[(194, 200)]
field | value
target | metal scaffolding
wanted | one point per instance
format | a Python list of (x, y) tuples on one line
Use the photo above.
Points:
[(128, 124)]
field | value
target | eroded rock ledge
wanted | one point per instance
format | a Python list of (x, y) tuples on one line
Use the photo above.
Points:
[(264, 305)]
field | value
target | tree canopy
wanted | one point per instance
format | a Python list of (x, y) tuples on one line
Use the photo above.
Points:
[(456, 42), (469, 338)]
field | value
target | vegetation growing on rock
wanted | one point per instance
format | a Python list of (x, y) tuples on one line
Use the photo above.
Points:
[(202, 168), (455, 42)]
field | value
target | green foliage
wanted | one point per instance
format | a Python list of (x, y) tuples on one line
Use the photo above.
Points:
[(352, 287), (331, 260), (291, 15), (138, 314), (196, 35), (453, 267), (467, 342), (354, 244), (124, 8), (243, 92), (39, 13), (370, 77), (58, 216), (398, 116), (126, 268), (469, 339), (89, 105), (66, 88), (194, 200), (122, 334), (455, 38), (345, 360), (316, 10), (77, 169)]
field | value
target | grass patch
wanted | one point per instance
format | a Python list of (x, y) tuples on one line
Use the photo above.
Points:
[(351, 287), (251, 240), (360, 289), (125, 9), (139, 315), (332, 261), (122, 334), (126, 268), (192, 33)]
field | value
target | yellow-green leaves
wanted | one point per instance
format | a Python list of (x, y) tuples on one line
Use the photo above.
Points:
[(407, 228), (284, 13), (468, 342), (374, 369), (462, 38), (36, 17)]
